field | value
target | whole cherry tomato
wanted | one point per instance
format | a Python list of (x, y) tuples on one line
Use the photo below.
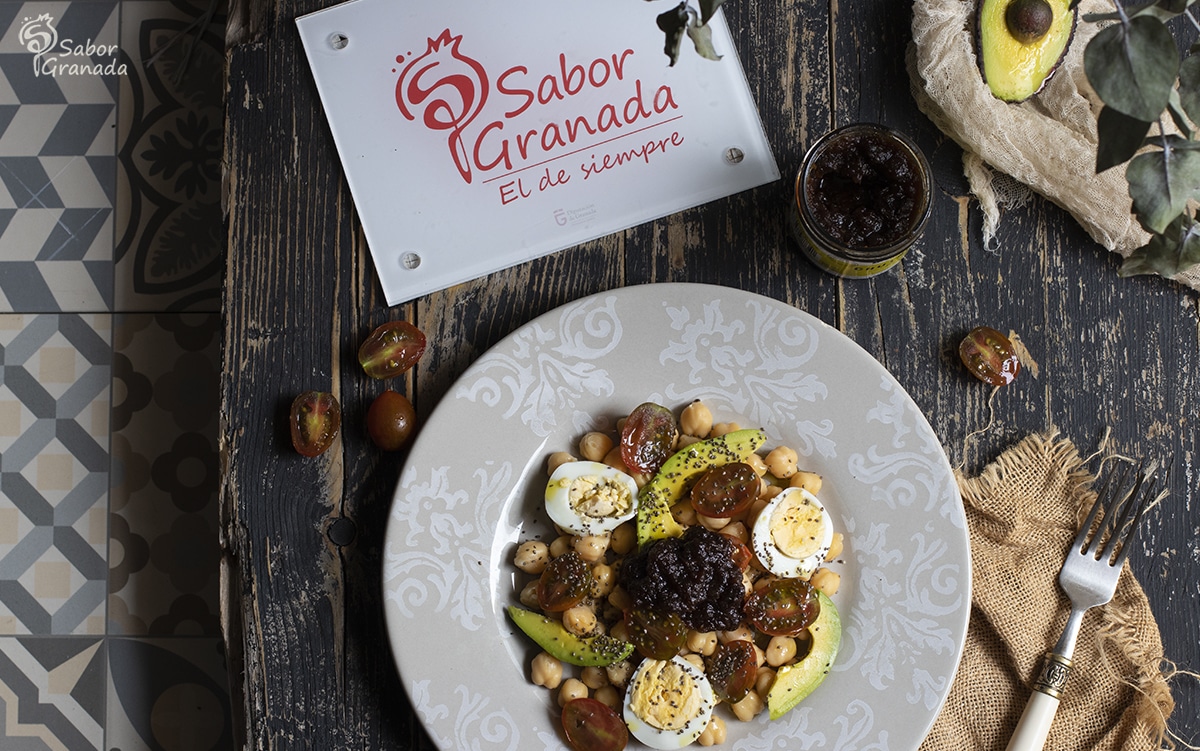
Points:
[(390, 420), (732, 669), (391, 349), (564, 583), (591, 725), (726, 491), (656, 635), (648, 438), (784, 607), (990, 356), (314, 420)]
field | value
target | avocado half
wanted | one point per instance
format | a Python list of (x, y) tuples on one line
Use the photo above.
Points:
[(1021, 43)]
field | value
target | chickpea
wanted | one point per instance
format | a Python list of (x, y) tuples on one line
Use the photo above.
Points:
[(556, 460), (561, 545), (592, 547), (684, 513), (695, 660), (781, 462), (696, 419), (608, 696), (714, 732), (623, 538), (618, 630), (572, 688), (684, 440), (764, 680), (810, 481), (748, 708), (711, 523), (756, 461), (579, 620), (780, 650), (826, 581), (593, 678), (738, 531), (702, 642), (742, 632), (595, 446), (755, 509), (529, 595), (760, 657), (604, 579), (546, 671), (613, 459), (619, 672), (620, 599), (723, 428), (532, 556), (769, 492), (835, 547)]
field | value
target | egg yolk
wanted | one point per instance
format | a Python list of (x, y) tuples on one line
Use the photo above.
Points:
[(796, 526), (666, 696), (598, 497)]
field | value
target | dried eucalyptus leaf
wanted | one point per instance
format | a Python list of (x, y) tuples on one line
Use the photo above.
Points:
[(1133, 66), (1118, 138), (1175, 109), (708, 8), (1168, 254), (701, 36), (1189, 87), (673, 24), (1162, 181)]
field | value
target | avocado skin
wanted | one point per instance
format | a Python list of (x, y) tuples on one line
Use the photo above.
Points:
[(550, 635), (796, 681), (1013, 70)]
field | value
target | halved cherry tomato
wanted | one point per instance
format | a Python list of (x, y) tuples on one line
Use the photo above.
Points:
[(648, 438), (784, 607), (741, 553), (732, 669), (990, 356), (726, 491), (391, 349), (656, 635), (564, 583), (314, 421), (593, 726)]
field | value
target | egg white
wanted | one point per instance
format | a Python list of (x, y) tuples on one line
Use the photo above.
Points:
[(775, 560), (668, 740), (566, 516)]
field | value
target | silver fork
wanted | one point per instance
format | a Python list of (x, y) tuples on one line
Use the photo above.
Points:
[(1089, 578)]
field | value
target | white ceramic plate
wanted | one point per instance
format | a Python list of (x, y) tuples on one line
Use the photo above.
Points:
[(471, 491)]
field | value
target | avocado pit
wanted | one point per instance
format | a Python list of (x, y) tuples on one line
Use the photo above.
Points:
[(1028, 20)]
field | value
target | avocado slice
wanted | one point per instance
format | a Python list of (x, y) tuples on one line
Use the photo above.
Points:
[(796, 681), (1021, 43), (675, 477), (592, 651)]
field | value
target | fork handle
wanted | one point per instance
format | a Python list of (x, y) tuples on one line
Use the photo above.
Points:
[(1034, 725)]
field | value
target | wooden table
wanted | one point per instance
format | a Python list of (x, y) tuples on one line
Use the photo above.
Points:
[(307, 648)]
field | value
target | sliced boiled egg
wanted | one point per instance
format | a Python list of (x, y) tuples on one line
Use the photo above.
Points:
[(590, 498), (792, 534), (668, 703)]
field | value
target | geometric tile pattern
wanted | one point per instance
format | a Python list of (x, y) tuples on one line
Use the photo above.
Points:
[(51, 693), (170, 240), (55, 376), (57, 155), (164, 556)]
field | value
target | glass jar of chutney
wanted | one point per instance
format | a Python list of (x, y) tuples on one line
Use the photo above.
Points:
[(863, 196)]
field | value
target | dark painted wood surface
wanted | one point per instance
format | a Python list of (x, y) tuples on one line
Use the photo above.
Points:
[(303, 538)]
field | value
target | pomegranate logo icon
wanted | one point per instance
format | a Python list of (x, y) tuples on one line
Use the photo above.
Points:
[(39, 37), (446, 89)]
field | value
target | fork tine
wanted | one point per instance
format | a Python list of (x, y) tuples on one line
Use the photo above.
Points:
[(1147, 499), (1082, 538), (1123, 508), (1107, 501)]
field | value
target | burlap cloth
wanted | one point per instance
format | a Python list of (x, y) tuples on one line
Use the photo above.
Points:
[(1047, 143), (1022, 513)]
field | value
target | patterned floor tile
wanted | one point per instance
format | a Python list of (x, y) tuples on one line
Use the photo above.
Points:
[(55, 377), (164, 553), (170, 243), (58, 78), (168, 695), (51, 693)]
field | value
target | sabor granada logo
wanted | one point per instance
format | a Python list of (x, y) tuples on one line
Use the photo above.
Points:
[(52, 57), (445, 89)]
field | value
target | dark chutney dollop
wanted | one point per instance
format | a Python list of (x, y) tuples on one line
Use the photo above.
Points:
[(694, 576), (864, 190)]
